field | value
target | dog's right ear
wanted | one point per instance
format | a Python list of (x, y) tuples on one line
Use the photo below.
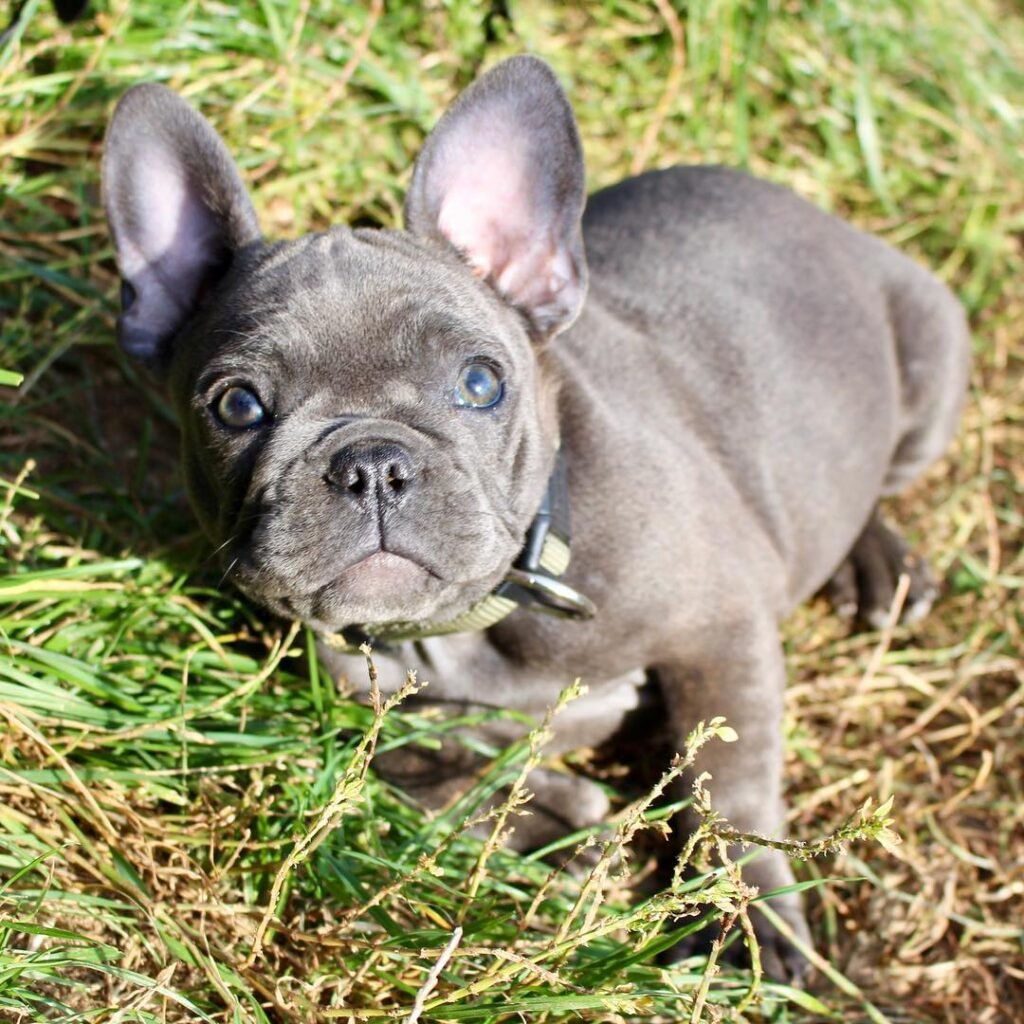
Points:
[(500, 179), (178, 212)]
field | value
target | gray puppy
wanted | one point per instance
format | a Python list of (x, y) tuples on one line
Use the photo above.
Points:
[(378, 425)]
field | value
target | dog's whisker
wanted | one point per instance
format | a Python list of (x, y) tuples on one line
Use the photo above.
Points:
[(227, 572)]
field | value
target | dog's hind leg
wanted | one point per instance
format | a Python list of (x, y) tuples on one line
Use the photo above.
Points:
[(933, 351)]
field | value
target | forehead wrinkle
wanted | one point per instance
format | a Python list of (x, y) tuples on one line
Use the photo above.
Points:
[(341, 303), (267, 334)]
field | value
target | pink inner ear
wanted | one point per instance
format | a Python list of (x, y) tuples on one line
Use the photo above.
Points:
[(487, 211), (492, 189), (489, 220)]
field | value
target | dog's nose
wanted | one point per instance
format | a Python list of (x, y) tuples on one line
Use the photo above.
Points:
[(372, 471)]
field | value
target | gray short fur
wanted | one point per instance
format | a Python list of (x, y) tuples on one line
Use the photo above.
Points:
[(742, 380)]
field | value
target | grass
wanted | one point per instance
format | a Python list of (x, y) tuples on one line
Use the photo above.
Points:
[(177, 774)]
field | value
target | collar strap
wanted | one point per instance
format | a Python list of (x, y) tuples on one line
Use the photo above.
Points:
[(531, 583)]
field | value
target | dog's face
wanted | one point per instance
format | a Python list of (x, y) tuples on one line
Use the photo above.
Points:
[(368, 420), (368, 431)]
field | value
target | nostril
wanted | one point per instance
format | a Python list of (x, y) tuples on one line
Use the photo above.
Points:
[(354, 480), (396, 477), (367, 469), (348, 477)]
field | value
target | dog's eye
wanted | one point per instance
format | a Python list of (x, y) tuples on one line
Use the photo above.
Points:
[(239, 409), (479, 387)]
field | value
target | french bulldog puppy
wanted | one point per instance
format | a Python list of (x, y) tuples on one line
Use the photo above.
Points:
[(379, 425)]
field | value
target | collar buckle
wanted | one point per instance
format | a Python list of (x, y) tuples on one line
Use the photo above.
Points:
[(532, 581), (537, 591)]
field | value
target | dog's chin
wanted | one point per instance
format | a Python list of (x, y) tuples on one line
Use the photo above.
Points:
[(380, 588)]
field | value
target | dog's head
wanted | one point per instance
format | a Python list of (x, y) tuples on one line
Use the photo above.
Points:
[(368, 420)]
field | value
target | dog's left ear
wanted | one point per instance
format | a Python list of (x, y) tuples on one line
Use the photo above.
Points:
[(501, 179), (178, 213)]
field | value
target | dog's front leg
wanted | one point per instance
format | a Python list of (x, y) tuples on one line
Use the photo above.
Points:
[(742, 679)]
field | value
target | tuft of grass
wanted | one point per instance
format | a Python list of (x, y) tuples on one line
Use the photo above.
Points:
[(190, 828)]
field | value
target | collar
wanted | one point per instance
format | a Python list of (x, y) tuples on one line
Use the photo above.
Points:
[(531, 583)]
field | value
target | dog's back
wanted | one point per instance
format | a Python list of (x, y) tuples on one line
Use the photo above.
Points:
[(811, 365)]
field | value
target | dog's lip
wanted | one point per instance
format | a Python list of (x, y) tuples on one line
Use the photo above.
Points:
[(383, 563), (381, 566), (382, 580)]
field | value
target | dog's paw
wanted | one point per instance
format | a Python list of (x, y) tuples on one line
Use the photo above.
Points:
[(865, 583)]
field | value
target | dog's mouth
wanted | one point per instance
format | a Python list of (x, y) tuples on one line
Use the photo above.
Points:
[(380, 587), (380, 573), (321, 559)]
